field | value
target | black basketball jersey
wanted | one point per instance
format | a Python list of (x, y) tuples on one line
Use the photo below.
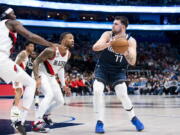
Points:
[(111, 61)]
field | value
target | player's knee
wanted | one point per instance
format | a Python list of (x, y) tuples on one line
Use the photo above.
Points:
[(98, 88), (121, 90)]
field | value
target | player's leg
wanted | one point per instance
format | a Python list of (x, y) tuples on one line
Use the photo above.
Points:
[(29, 92), (36, 99), (46, 89), (12, 72), (57, 100), (15, 110), (98, 98), (98, 104), (121, 92), (18, 94)]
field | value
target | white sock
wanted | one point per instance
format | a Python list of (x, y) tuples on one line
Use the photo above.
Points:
[(121, 92), (98, 100), (36, 100)]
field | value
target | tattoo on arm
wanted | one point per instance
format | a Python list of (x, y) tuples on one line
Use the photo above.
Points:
[(46, 54)]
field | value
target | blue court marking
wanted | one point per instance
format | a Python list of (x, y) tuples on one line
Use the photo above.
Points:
[(6, 97), (6, 128)]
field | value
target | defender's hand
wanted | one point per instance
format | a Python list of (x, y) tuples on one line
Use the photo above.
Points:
[(67, 90)]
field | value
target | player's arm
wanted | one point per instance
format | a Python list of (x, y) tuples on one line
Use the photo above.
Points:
[(61, 73), (46, 54), (131, 53), (102, 44), (20, 58), (20, 29)]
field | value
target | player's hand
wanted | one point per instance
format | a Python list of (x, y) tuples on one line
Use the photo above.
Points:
[(67, 90), (38, 82), (126, 53)]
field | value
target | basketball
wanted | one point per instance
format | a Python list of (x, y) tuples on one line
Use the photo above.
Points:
[(120, 45)]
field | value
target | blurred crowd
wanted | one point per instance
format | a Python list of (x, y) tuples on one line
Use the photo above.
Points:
[(163, 83)]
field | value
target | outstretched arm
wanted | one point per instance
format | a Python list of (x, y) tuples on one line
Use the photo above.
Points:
[(20, 29)]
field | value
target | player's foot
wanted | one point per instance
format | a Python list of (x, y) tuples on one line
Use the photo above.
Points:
[(40, 127), (19, 127), (137, 123), (99, 127), (47, 120)]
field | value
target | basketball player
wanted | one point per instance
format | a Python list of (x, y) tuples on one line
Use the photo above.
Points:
[(111, 70), (9, 70), (29, 69), (46, 66), (21, 60)]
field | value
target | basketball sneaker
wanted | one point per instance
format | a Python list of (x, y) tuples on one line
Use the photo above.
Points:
[(137, 123), (99, 127), (40, 127), (19, 127), (47, 120)]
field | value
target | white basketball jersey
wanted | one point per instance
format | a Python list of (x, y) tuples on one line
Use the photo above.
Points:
[(7, 40), (24, 63), (52, 66)]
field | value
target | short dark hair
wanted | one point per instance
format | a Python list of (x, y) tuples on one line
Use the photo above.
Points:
[(124, 20), (27, 43), (62, 36)]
